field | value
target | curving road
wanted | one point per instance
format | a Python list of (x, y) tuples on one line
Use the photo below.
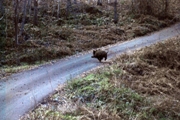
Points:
[(21, 92)]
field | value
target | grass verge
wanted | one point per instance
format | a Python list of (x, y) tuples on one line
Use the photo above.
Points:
[(144, 85)]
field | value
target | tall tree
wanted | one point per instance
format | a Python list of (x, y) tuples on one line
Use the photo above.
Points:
[(99, 2), (16, 18), (2, 28), (166, 7), (2, 11), (35, 21), (24, 18), (75, 1), (115, 12), (68, 7), (29, 4), (58, 10)]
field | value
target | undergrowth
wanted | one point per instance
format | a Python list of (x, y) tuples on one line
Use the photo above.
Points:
[(87, 27), (98, 93)]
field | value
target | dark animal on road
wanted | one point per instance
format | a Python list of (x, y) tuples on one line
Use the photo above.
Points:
[(99, 54)]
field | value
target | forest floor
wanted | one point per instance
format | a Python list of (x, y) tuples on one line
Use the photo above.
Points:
[(87, 27), (142, 85)]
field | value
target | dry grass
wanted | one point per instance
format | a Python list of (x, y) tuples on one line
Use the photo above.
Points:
[(143, 85), (155, 72), (165, 57)]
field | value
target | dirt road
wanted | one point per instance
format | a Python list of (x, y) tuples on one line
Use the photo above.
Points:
[(21, 92)]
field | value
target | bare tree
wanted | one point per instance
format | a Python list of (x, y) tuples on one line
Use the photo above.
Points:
[(115, 12), (24, 18), (68, 7), (2, 11), (75, 1), (58, 10), (29, 4), (99, 2), (16, 18), (35, 21), (166, 7), (3, 26)]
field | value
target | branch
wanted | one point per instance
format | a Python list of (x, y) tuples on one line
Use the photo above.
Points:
[(2, 17)]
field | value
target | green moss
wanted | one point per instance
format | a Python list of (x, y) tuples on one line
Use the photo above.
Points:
[(97, 87)]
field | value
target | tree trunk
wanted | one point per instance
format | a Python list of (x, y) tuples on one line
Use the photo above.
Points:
[(58, 10), (99, 2), (68, 7), (16, 18), (24, 18), (115, 12), (166, 8), (29, 4), (75, 1), (2, 10), (35, 12)]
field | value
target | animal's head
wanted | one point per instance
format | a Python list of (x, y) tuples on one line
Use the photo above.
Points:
[(94, 52)]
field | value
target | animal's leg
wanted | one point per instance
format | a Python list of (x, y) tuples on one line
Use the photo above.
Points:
[(105, 57), (99, 59)]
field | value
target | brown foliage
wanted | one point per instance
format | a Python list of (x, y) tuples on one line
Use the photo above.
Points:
[(160, 8), (155, 72)]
